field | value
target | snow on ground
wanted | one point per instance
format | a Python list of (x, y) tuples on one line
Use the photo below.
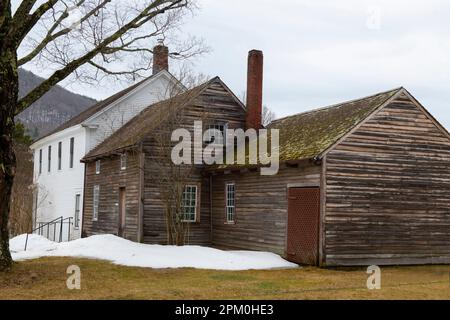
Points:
[(123, 252)]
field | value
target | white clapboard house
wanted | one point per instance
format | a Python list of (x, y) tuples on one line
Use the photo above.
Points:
[(58, 172)]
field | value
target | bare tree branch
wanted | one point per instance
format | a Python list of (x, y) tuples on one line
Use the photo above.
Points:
[(53, 36), (156, 8), (23, 23)]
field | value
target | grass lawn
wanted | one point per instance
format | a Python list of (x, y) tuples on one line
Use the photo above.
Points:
[(46, 279)]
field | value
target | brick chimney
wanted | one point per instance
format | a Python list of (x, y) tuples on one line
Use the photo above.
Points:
[(160, 58), (254, 89)]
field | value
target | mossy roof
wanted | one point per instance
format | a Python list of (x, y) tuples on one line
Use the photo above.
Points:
[(307, 135), (302, 136)]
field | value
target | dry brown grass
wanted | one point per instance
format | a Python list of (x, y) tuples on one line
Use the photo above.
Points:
[(46, 279)]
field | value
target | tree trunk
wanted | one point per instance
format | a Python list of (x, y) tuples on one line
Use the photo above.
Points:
[(9, 89)]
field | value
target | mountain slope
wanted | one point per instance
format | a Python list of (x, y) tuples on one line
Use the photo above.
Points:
[(53, 109)]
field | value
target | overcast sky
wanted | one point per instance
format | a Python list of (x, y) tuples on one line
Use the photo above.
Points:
[(321, 52)]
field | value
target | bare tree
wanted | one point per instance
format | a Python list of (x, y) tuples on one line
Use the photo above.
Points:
[(172, 178), (88, 40), (22, 197), (267, 116)]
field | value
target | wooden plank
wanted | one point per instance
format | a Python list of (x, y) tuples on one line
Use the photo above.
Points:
[(388, 191)]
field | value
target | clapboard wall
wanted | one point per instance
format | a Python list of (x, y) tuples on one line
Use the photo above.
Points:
[(388, 191), (261, 207), (110, 180), (215, 104)]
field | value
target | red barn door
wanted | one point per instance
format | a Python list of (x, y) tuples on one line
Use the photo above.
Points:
[(303, 225)]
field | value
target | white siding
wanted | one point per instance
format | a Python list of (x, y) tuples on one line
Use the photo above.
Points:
[(111, 120), (57, 189)]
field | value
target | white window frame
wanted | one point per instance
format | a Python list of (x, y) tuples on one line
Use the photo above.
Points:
[(123, 161), (230, 202), (71, 152), (190, 206), (40, 161), (95, 202), (49, 159), (60, 156), (97, 167), (76, 221)]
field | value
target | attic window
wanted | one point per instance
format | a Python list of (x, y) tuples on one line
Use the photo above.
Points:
[(211, 137), (97, 167), (123, 161)]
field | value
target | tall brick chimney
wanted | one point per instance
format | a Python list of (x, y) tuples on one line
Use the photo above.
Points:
[(160, 58), (254, 89)]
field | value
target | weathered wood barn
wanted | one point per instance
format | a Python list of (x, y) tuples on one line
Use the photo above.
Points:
[(362, 182)]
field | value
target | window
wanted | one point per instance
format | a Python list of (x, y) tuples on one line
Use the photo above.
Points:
[(189, 203), (96, 203), (97, 167), (123, 161), (49, 158), (59, 155), (230, 201), (77, 210), (72, 147), (40, 161), (217, 126)]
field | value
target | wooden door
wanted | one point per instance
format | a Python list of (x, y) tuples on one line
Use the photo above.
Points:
[(122, 212), (303, 225)]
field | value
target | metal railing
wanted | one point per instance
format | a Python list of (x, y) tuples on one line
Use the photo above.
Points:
[(45, 229)]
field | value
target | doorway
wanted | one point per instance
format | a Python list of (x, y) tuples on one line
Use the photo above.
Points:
[(122, 212), (303, 226)]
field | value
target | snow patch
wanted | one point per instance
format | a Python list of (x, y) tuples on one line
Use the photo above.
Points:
[(124, 252)]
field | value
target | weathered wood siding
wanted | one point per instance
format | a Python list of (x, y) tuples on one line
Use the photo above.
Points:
[(110, 180), (261, 208), (214, 104), (388, 191)]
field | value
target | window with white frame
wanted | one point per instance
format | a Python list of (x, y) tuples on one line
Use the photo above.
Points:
[(220, 127), (40, 161), (77, 210), (230, 201), (72, 150), (123, 161), (59, 155), (49, 159), (189, 203), (96, 201), (97, 167)]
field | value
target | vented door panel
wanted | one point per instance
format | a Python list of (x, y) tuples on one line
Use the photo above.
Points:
[(303, 225)]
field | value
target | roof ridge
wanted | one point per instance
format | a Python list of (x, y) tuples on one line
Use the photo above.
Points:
[(339, 104), (150, 109), (98, 106)]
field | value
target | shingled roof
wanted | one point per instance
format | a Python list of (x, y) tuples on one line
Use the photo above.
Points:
[(302, 136), (307, 135), (146, 121), (92, 110)]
